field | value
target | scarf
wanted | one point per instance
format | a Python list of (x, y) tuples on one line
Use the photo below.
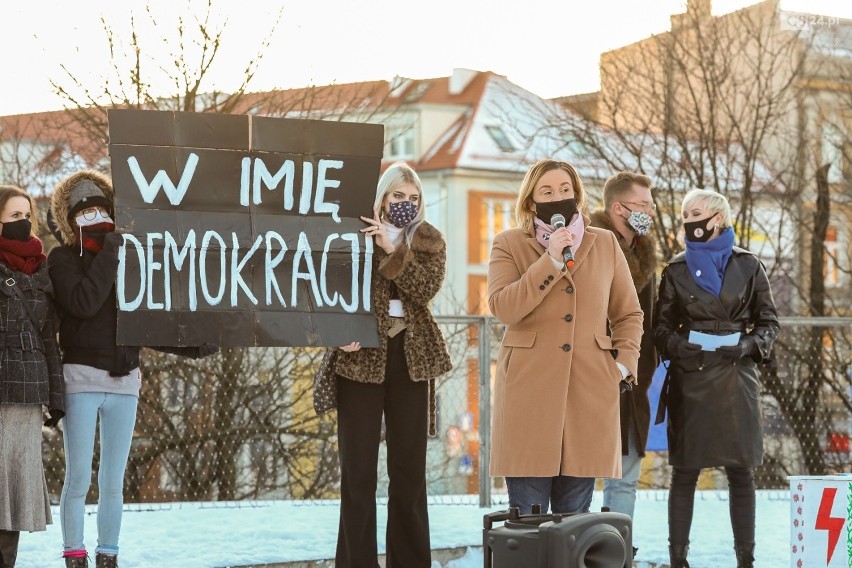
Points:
[(22, 256), (92, 236), (707, 261), (576, 227)]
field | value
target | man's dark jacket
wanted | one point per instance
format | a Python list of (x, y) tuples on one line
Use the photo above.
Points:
[(641, 255)]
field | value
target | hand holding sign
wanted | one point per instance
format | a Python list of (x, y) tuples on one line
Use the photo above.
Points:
[(378, 231)]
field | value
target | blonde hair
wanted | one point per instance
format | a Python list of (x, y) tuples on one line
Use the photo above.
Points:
[(397, 175), (7, 192), (713, 201), (523, 207)]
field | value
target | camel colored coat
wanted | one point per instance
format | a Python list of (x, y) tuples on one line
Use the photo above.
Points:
[(556, 395)]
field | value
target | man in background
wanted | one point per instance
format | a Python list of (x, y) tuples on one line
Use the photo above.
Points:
[(629, 213)]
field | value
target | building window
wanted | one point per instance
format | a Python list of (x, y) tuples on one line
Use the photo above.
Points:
[(500, 138), (488, 214), (399, 143), (832, 151), (832, 260)]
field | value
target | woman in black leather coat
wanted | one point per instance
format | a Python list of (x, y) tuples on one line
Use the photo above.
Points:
[(713, 397)]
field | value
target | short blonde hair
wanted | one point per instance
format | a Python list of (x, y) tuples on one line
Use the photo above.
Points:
[(713, 201), (523, 207), (397, 175)]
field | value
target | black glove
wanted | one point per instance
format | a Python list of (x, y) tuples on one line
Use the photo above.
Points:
[(745, 347), (112, 242), (679, 347), (55, 416), (206, 349), (624, 386)]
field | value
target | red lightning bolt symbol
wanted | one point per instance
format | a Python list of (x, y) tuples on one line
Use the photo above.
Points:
[(825, 522)]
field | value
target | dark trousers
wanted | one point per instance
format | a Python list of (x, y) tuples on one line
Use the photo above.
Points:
[(360, 406), (8, 548), (741, 490)]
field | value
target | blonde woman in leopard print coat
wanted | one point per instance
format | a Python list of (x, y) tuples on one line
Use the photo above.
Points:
[(393, 381)]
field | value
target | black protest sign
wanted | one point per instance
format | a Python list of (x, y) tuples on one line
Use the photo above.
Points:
[(243, 230)]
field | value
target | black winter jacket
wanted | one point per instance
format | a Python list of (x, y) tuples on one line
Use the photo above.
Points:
[(635, 408), (84, 287), (30, 370), (713, 402)]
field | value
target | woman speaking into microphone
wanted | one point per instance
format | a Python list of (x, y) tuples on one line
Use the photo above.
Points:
[(571, 343)]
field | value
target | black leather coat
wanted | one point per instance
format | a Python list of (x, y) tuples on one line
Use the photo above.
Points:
[(713, 402)]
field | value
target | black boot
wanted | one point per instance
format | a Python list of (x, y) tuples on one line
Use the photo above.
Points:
[(745, 554), (677, 554), (106, 560), (76, 561), (8, 548)]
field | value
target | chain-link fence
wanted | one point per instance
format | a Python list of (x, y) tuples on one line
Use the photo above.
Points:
[(240, 425)]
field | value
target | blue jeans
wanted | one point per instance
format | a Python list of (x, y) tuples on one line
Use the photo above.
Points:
[(620, 494), (563, 493), (117, 413)]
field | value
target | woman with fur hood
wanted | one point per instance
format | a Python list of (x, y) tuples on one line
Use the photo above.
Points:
[(392, 381), (30, 373), (102, 379)]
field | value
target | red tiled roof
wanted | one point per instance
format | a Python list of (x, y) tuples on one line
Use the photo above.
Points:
[(84, 132), (64, 128)]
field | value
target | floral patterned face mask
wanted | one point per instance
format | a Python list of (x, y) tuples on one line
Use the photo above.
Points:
[(639, 221)]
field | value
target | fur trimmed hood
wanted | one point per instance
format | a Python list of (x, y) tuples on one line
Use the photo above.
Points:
[(641, 258), (59, 201)]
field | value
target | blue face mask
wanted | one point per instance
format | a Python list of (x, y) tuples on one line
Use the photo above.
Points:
[(401, 213)]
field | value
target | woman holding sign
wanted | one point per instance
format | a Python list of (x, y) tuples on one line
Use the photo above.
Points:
[(102, 379), (30, 372), (713, 294), (393, 381)]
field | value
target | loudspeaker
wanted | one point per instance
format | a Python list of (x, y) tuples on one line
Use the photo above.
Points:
[(581, 540)]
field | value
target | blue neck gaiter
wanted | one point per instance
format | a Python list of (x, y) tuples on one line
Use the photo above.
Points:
[(707, 261)]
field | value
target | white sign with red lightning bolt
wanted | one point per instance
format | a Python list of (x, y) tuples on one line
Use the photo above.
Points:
[(821, 521)]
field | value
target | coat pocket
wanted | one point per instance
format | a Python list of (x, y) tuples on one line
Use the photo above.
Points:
[(605, 343), (513, 339), (516, 338)]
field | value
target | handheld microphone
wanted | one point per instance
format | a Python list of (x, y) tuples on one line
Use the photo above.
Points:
[(557, 222)]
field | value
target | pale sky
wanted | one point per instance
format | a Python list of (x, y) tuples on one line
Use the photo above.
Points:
[(549, 47)]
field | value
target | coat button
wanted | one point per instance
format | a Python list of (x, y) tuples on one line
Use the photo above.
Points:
[(541, 287), (566, 348), (568, 317), (550, 277), (570, 289)]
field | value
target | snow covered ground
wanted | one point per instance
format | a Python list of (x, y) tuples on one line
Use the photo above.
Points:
[(208, 535)]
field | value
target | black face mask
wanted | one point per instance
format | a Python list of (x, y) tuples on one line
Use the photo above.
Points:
[(546, 210), (697, 231), (17, 230)]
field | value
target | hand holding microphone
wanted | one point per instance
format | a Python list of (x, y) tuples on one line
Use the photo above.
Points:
[(558, 222)]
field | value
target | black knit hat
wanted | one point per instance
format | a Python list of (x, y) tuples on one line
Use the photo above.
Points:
[(86, 194)]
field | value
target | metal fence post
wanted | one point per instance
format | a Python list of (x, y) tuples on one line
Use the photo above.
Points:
[(484, 410)]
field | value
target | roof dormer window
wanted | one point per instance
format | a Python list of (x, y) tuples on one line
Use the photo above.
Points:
[(500, 138)]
